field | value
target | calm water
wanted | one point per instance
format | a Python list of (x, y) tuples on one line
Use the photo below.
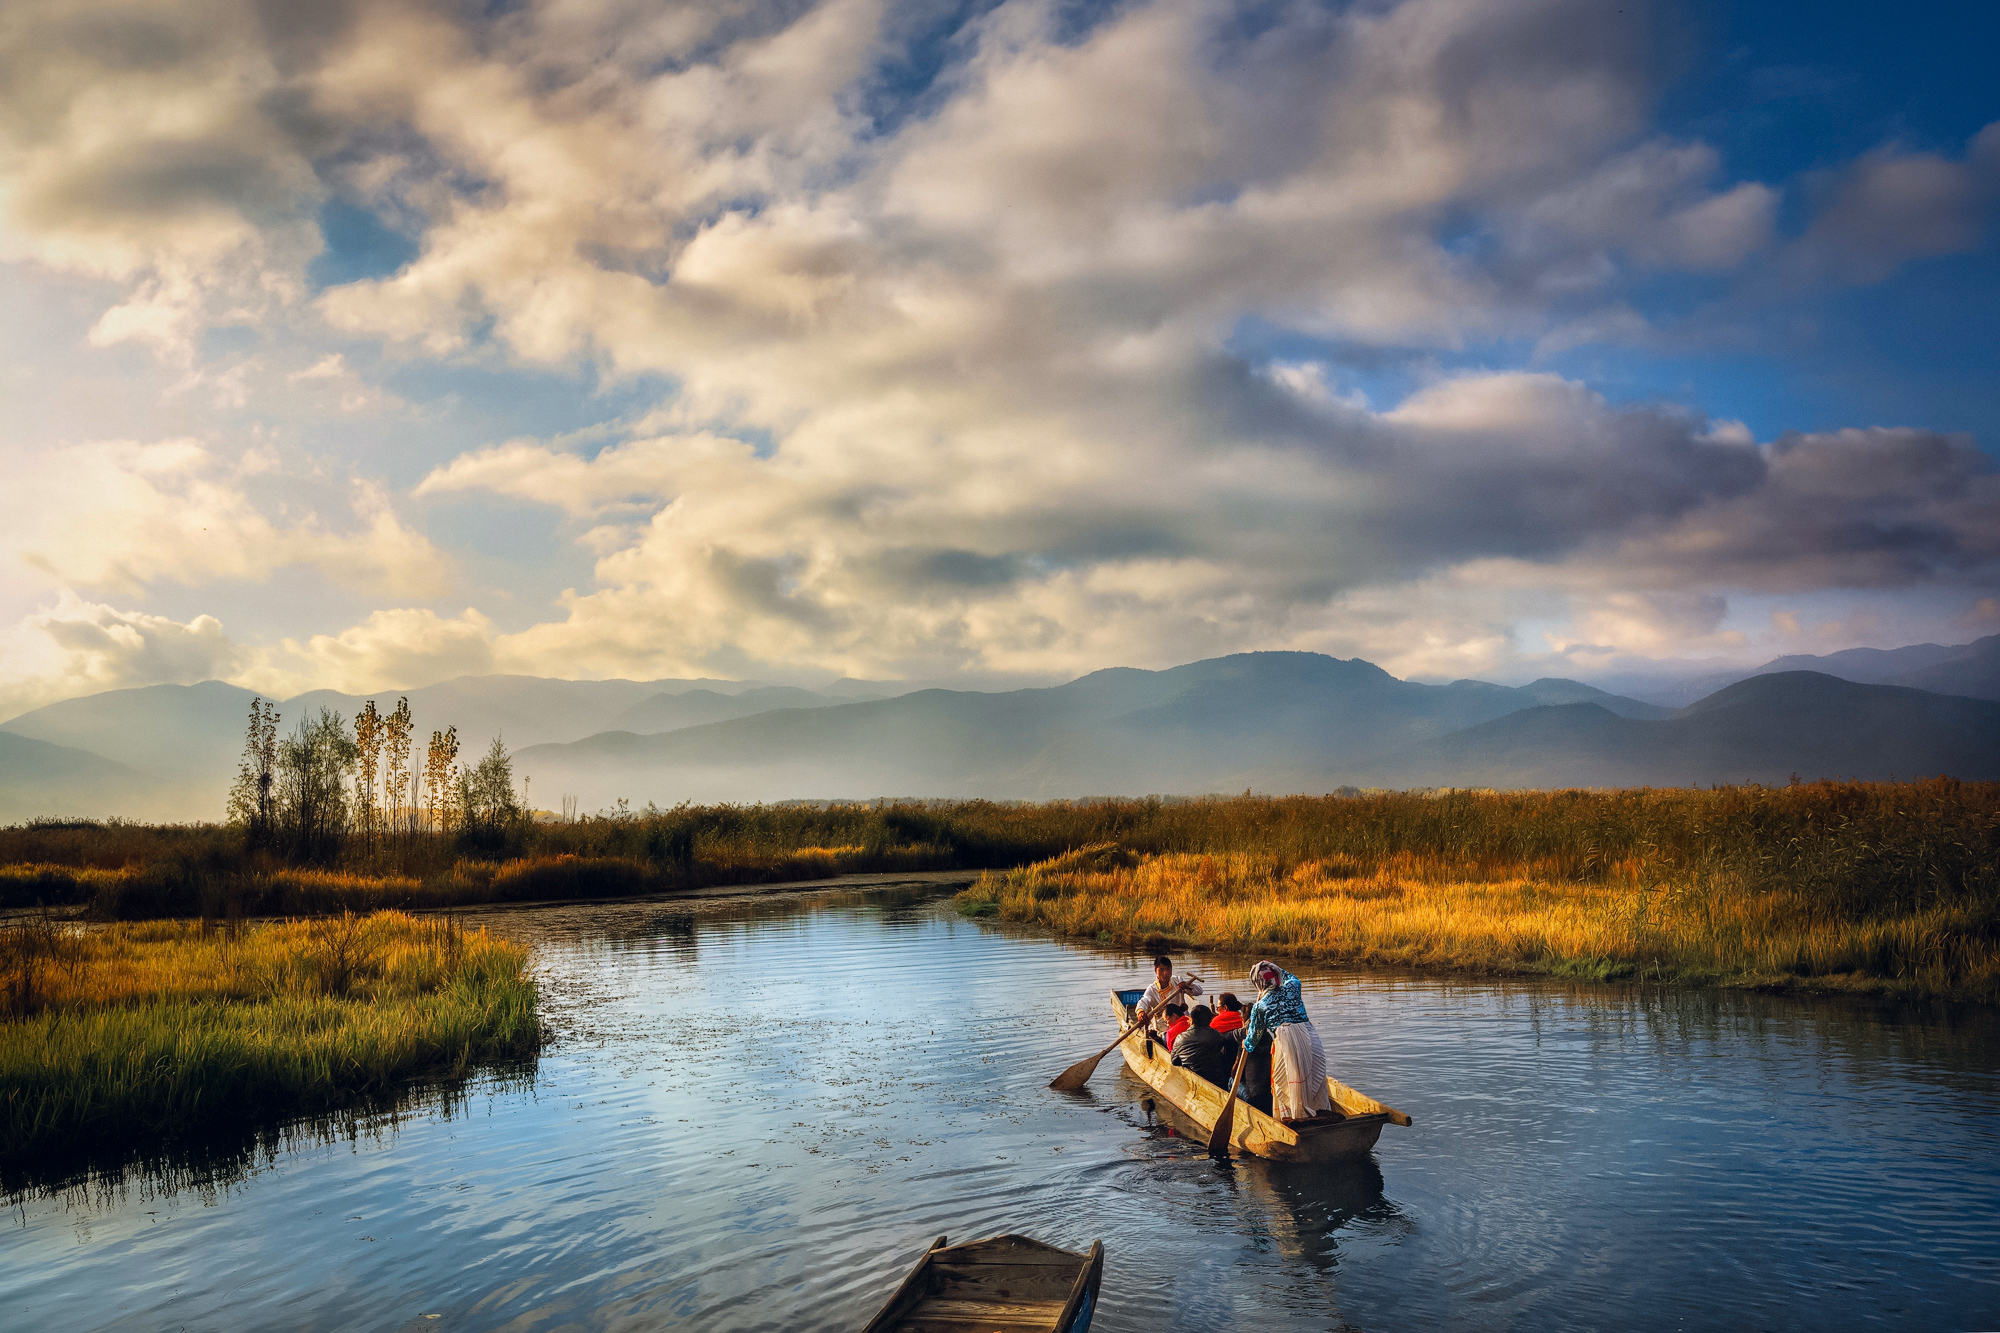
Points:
[(761, 1110)]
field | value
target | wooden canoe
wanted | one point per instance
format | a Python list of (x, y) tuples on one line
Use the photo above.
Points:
[(1009, 1284), (1351, 1133)]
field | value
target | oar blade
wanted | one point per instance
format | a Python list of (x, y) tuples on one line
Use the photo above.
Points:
[(1225, 1125), (1078, 1074)]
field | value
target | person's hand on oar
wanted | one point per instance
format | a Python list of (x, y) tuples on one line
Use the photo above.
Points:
[(1225, 1124), (1079, 1073)]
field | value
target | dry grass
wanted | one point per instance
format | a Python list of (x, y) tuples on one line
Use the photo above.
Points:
[(1640, 919), (135, 1031)]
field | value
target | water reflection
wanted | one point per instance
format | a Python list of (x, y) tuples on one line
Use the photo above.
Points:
[(211, 1158), (760, 1110)]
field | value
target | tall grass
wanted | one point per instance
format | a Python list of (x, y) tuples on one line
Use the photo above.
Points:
[(133, 1032), (1706, 922), (1843, 850)]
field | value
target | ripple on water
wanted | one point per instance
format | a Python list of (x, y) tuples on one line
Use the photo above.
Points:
[(761, 1110)]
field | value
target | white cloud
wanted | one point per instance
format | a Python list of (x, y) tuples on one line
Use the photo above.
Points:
[(980, 340), (403, 648), (75, 647), (124, 516)]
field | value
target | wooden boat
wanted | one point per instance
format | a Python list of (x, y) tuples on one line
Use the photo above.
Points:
[(1009, 1284), (1349, 1133)]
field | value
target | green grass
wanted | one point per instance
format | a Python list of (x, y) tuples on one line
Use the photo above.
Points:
[(138, 1033)]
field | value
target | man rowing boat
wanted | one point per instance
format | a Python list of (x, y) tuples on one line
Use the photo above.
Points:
[(1278, 1024), (1153, 1004)]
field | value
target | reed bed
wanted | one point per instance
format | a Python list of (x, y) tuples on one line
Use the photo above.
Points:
[(133, 1032), (1640, 920)]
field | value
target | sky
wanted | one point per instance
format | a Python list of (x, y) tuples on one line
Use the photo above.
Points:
[(363, 345)]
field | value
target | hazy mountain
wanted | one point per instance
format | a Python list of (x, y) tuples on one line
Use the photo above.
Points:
[(190, 732), (670, 712), (1276, 721), (1972, 670), (1763, 729), (1270, 721), (1969, 669), (37, 778), (181, 743), (1866, 666)]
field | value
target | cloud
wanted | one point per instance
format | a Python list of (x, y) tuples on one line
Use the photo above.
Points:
[(403, 648), (1893, 206), (77, 647), (1856, 508), (953, 386), (124, 516)]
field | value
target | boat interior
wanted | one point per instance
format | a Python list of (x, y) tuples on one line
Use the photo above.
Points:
[(1009, 1284)]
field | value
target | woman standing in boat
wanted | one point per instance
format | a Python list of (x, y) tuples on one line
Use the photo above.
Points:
[(1278, 1024)]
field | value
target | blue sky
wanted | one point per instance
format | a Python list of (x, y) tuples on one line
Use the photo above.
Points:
[(994, 343)]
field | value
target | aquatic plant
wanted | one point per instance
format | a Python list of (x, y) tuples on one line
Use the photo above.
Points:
[(138, 1031)]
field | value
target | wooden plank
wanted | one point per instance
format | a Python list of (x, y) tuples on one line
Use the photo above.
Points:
[(912, 1285)]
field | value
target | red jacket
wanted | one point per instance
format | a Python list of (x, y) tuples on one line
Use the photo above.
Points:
[(1180, 1025), (1227, 1022)]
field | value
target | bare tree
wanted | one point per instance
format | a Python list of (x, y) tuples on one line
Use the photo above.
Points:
[(398, 782), (440, 784), (250, 800), (367, 759)]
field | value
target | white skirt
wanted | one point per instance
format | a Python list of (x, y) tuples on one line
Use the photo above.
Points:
[(1298, 1072)]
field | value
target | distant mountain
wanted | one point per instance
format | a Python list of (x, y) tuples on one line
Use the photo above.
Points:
[(37, 778), (1276, 721), (1866, 666), (179, 732), (1972, 670), (181, 743), (1764, 729), (670, 712), (1968, 669)]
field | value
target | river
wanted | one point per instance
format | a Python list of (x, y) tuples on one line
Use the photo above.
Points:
[(760, 1109)]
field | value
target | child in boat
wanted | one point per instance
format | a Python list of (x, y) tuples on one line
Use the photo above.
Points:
[(1229, 1016), (1153, 1004), (1204, 1051), (1177, 1023), (1278, 1024)]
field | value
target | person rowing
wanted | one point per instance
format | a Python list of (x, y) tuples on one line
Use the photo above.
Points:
[(1278, 1024), (1153, 1004)]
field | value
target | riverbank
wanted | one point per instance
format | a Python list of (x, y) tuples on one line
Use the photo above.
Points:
[(1827, 853), (135, 1033), (1701, 926)]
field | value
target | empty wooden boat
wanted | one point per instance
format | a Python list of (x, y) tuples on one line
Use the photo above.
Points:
[(1009, 1284), (1350, 1132)]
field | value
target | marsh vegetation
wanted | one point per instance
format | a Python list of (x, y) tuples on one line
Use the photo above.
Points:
[(1891, 887), (139, 1032)]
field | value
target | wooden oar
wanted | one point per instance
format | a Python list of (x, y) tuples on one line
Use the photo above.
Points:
[(1225, 1124), (1079, 1073)]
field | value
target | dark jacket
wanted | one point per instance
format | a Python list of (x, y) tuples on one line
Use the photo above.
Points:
[(1206, 1052)]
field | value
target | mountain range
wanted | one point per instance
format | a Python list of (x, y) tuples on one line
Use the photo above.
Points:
[(1274, 721)]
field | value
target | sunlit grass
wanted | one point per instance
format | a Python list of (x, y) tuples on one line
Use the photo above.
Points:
[(1640, 920), (139, 1030)]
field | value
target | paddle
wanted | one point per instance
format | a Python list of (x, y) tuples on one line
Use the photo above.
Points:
[(1225, 1124), (1079, 1073)]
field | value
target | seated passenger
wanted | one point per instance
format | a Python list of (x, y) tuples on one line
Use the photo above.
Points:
[(1177, 1023), (1204, 1051), (1230, 1018)]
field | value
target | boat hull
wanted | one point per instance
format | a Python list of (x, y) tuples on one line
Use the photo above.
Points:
[(1352, 1134), (1012, 1284)]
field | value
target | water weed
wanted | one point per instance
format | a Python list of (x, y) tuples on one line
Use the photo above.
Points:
[(133, 1032)]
